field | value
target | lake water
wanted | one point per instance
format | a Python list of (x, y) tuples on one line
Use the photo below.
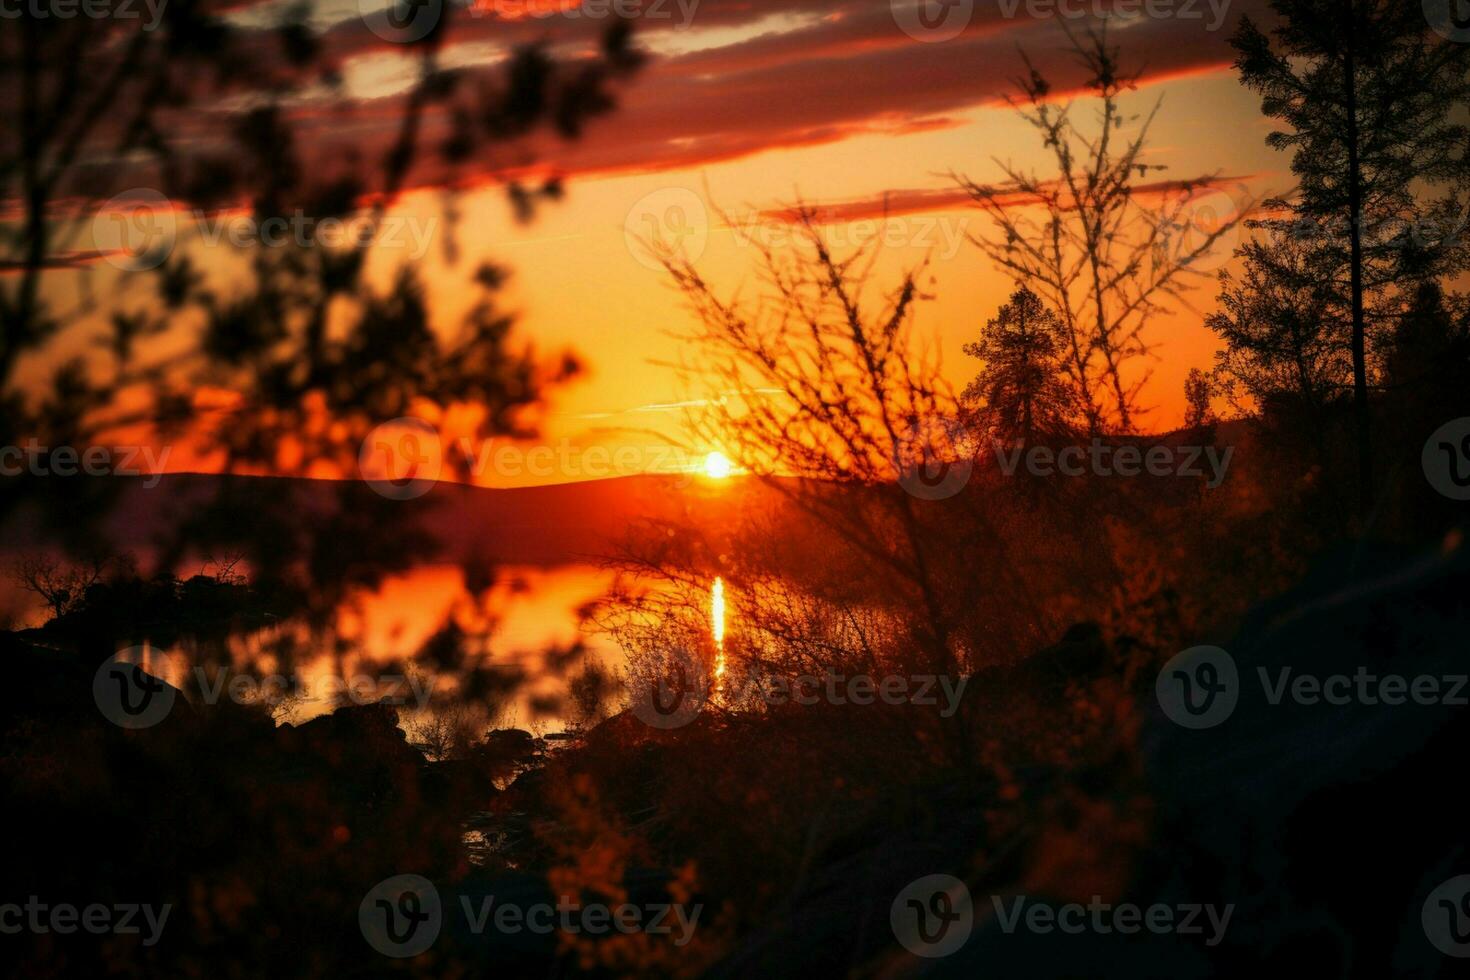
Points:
[(533, 608)]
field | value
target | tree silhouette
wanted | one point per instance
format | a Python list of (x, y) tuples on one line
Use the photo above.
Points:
[(1430, 347), (1096, 254), (293, 328), (1021, 392), (1197, 394), (1370, 102), (61, 586), (856, 405), (305, 346), (1282, 321), (854, 436)]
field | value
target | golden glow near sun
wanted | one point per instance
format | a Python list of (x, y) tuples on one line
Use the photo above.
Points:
[(717, 466), (717, 628)]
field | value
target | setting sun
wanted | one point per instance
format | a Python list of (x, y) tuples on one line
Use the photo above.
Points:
[(717, 466)]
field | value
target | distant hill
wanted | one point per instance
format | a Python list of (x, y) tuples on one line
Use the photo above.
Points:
[(558, 524), (551, 525)]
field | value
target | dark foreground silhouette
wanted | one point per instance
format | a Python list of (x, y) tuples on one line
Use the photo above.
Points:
[(1324, 827)]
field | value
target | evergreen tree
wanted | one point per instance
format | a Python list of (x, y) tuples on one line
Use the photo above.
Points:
[(1285, 329), (1021, 391), (1197, 392), (1368, 98)]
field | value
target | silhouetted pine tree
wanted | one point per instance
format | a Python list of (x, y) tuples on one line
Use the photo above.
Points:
[(1367, 95), (1198, 414), (1285, 328), (1021, 392)]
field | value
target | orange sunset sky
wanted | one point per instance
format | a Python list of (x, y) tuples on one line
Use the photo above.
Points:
[(747, 107)]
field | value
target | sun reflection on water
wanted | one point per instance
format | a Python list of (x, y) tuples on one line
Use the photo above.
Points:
[(717, 628)]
